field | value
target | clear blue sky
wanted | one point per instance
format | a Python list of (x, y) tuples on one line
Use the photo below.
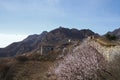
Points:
[(24, 17)]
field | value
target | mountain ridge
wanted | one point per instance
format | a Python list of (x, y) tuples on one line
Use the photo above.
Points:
[(21, 47), (58, 35), (90, 59), (115, 32)]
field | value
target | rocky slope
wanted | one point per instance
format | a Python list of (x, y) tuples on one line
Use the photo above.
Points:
[(109, 52), (111, 55), (81, 64)]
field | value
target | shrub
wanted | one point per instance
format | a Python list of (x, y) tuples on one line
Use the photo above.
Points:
[(3, 70), (110, 37), (21, 58)]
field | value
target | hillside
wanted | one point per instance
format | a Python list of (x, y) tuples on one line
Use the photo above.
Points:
[(89, 60), (115, 32), (62, 54), (28, 44), (54, 37)]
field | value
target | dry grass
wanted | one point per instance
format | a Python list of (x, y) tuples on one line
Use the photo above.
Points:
[(30, 70), (5, 64), (114, 68), (105, 42), (33, 67)]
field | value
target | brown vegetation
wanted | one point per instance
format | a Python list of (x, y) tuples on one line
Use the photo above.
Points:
[(105, 42)]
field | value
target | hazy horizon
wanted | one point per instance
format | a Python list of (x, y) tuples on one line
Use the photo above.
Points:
[(20, 18)]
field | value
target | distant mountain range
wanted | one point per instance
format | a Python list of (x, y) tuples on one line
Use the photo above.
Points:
[(54, 37)]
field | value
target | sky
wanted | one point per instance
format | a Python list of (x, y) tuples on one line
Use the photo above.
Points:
[(20, 18)]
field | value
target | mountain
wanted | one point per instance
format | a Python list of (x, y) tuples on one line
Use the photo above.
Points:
[(16, 48), (61, 35), (116, 32), (91, 59), (54, 37)]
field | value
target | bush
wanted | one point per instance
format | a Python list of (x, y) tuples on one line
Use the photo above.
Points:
[(110, 37), (3, 70), (21, 58)]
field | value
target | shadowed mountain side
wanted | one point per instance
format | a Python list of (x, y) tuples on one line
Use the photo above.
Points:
[(115, 32), (54, 37), (17, 48), (62, 35)]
